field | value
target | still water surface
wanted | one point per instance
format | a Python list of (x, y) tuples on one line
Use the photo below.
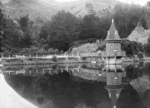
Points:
[(75, 86)]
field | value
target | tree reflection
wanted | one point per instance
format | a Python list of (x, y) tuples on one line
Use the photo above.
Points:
[(60, 91), (129, 98)]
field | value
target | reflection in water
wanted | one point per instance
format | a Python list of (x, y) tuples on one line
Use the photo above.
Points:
[(9, 98), (129, 98), (114, 74), (79, 86), (60, 91)]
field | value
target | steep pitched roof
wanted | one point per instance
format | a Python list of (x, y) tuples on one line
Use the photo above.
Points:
[(139, 34), (113, 33), (114, 95), (139, 27)]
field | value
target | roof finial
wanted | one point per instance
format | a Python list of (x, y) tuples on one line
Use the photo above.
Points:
[(112, 20)]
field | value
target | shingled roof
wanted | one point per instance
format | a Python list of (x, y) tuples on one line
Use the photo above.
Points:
[(113, 33), (139, 34), (114, 95)]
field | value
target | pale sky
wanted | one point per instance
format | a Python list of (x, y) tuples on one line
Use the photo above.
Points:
[(140, 2), (66, 0)]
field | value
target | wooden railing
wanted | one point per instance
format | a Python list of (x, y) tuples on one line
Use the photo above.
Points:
[(50, 56)]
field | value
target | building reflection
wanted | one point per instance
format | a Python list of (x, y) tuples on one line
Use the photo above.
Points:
[(114, 85)]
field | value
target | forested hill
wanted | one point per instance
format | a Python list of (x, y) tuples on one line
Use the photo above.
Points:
[(62, 30), (34, 8), (45, 10)]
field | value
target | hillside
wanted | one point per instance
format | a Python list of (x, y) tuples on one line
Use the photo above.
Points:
[(85, 48), (17, 8), (45, 10), (80, 8)]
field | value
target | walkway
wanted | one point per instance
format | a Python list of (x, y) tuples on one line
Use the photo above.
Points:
[(50, 56)]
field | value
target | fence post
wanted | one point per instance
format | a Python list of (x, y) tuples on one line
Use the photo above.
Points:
[(37, 71), (2, 56)]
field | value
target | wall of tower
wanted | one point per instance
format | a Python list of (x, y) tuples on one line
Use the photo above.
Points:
[(113, 79), (111, 47)]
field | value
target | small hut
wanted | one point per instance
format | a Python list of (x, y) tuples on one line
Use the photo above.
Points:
[(139, 34)]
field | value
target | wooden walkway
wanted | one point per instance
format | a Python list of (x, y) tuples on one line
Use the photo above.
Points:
[(50, 56)]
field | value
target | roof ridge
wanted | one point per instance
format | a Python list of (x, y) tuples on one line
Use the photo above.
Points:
[(112, 32)]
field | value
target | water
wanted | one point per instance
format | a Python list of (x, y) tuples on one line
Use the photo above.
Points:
[(75, 86)]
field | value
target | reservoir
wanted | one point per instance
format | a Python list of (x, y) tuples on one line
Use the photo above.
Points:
[(75, 86)]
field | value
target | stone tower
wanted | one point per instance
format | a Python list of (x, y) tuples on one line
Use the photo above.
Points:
[(113, 53)]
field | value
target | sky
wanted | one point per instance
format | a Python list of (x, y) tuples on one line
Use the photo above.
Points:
[(66, 0), (140, 2)]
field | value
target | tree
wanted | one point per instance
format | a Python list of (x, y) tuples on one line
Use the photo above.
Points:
[(90, 8), (61, 31), (94, 27), (132, 48), (127, 16), (147, 48), (24, 22), (27, 27), (1, 28)]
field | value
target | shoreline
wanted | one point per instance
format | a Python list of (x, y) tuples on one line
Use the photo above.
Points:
[(40, 61)]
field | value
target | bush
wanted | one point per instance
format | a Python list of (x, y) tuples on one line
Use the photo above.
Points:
[(54, 58)]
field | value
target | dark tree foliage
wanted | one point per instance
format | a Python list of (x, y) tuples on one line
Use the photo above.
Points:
[(24, 22), (14, 35), (11, 32), (27, 28), (94, 27), (61, 31), (147, 48), (26, 40), (127, 16), (132, 48), (1, 29), (89, 27)]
